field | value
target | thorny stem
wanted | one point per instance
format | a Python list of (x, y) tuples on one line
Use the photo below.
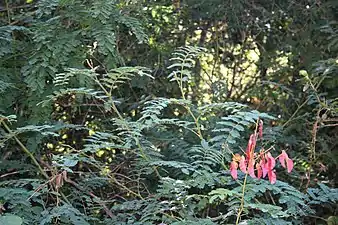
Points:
[(242, 200)]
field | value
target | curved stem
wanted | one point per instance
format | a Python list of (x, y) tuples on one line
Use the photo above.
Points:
[(242, 201), (28, 153), (199, 132)]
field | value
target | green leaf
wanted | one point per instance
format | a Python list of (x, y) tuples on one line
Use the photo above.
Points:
[(10, 220), (204, 144), (332, 220), (220, 193), (70, 162)]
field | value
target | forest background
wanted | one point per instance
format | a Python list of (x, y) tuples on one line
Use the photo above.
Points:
[(144, 112)]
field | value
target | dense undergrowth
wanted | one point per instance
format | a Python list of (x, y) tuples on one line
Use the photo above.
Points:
[(87, 137)]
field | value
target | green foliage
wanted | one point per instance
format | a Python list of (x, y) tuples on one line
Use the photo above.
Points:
[(322, 195), (10, 220), (231, 126), (66, 214), (89, 137), (183, 61)]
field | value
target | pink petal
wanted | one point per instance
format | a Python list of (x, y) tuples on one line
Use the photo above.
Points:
[(251, 169), (233, 169), (271, 161), (259, 171), (251, 147), (264, 169), (272, 177), (282, 158), (242, 164), (260, 129), (289, 164), (248, 147)]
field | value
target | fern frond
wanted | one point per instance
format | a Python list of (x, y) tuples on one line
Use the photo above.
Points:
[(185, 168), (10, 118), (65, 212), (111, 80), (232, 126), (99, 95), (183, 60), (6, 38), (120, 75), (230, 107), (135, 26), (322, 195), (44, 130), (153, 109), (55, 50), (103, 140), (104, 35), (208, 156), (4, 86), (84, 77)]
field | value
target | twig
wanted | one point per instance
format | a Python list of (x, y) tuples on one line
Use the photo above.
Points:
[(9, 174), (108, 212), (295, 113), (242, 200), (329, 125), (7, 10), (28, 153), (119, 115)]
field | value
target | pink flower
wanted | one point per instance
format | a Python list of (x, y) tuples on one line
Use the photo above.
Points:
[(264, 163), (285, 158)]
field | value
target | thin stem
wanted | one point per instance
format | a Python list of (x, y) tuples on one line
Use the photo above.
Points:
[(180, 85), (314, 88), (199, 132), (8, 13), (295, 113), (109, 95), (318, 217), (28, 153), (242, 200), (31, 156)]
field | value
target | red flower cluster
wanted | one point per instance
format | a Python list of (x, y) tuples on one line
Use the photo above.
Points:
[(263, 163)]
